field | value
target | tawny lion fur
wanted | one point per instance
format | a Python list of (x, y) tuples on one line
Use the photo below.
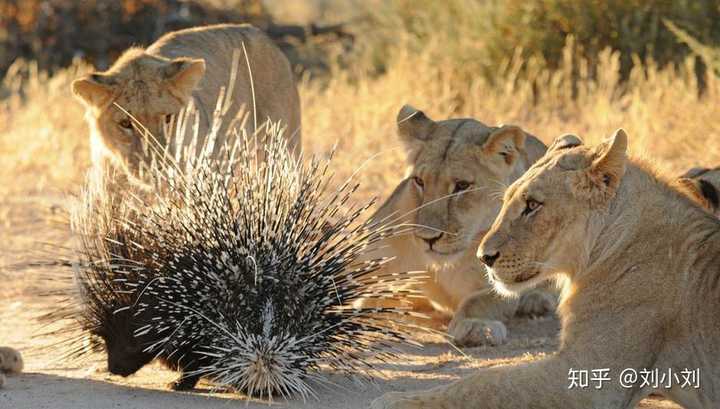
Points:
[(452, 192), (156, 83), (641, 264)]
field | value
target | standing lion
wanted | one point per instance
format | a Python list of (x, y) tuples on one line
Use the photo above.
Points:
[(154, 84)]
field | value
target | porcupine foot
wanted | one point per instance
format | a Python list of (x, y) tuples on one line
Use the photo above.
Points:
[(184, 383)]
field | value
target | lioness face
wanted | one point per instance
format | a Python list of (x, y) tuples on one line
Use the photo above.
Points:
[(458, 169), (140, 94), (546, 220)]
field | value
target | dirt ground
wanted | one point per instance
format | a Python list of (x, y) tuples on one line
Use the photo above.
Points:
[(47, 383)]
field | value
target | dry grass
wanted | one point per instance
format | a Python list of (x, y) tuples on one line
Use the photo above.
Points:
[(43, 138), (659, 108), (44, 144)]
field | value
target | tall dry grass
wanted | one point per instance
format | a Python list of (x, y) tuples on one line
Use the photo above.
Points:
[(659, 108), (43, 138)]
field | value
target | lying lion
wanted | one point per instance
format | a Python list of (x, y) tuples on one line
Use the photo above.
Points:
[(642, 269), (457, 169), (154, 84)]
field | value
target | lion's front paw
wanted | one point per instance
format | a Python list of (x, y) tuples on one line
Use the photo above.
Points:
[(403, 400), (469, 332), (537, 303)]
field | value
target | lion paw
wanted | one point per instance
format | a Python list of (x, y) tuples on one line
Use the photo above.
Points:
[(10, 360), (536, 303), (469, 332), (2, 380), (401, 400)]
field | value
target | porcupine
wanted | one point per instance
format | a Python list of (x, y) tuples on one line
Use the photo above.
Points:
[(242, 270)]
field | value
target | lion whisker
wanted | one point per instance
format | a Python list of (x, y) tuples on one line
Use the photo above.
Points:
[(387, 221), (435, 229)]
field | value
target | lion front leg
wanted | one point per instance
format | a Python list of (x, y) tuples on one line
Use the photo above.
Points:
[(495, 388), (537, 302), (538, 385), (479, 319)]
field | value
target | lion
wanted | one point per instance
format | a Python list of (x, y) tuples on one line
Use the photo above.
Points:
[(457, 169), (641, 267), (703, 185), (154, 84), (11, 362)]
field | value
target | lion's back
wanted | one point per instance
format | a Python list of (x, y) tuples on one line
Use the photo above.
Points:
[(273, 93)]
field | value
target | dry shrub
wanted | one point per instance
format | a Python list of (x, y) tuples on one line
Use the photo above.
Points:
[(53, 32), (659, 107), (43, 137), (482, 34)]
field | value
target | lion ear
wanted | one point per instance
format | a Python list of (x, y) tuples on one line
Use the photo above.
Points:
[(184, 74), (414, 126), (508, 141), (94, 89), (695, 172), (702, 191), (565, 141), (611, 160)]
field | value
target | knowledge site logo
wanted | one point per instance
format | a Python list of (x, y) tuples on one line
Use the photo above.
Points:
[(631, 378)]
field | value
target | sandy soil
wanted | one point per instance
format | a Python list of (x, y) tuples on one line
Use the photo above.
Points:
[(26, 224), (61, 387)]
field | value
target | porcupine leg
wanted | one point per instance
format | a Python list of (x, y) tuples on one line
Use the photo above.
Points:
[(185, 382), (189, 376)]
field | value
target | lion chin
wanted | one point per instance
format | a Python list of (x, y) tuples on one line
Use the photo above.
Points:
[(518, 284)]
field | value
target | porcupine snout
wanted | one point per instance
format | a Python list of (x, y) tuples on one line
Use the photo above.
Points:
[(125, 361), (116, 368), (122, 369)]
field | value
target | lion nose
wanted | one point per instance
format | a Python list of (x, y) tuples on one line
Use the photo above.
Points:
[(489, 259), (432, 240)]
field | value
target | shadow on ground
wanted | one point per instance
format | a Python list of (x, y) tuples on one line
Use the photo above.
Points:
[(45, 391)]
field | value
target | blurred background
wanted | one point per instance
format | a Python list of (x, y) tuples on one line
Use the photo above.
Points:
[(550, 66)]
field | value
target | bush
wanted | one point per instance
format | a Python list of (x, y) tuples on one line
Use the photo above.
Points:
[(709, 55), (53, 32), (482, 36)]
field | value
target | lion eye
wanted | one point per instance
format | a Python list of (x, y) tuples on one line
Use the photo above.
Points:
[(462, 185), (531, 205), (126, 123), (168, 118), (418, 181)]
